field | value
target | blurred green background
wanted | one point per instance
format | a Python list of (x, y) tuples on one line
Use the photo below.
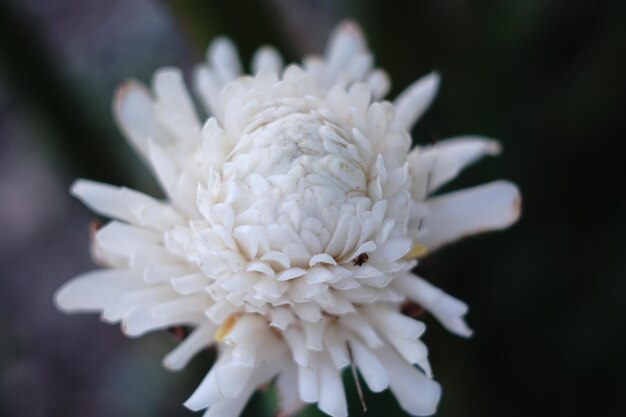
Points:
[(547, 298)]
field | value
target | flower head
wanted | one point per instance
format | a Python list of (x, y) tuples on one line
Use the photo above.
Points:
[(293, 218)]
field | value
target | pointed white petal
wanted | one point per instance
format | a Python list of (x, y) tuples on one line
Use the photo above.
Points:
[(332, 397), (189, 283), (103, 199), (129, 301), (125, 204), (267, 58), (492, 206), (125, 240), (209, 89), (287, 385), (391, 250), (268, 367), (174, 106), (222, 55), (141, 321), (415, 100), (335, 343), (94, 290), (372, 370), (165, 168), (434, 166), (345, 42), (295, 340), (207, 394), (390, 321), (199, 339), (133, 108), (360, 326), (379, 83), (447, 309), (314, 334), (413, 351), (416, 393), (281, 317), (231, 378), (308, 381)]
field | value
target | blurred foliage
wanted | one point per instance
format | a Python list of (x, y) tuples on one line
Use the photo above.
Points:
[(249, 23), (79, 137), (544, 77)]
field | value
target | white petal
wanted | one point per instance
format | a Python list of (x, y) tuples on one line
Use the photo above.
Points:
[(360, 66), (181, 305), (308, 381), (416, 393), (345, 42), (133, 109), (391, 250), (372, 370), (322, 258), (141, 320), (200, 338), (447, 309), (290, 273), (314, 334), (206, 393), (318, 275), (125, 204), (190, 283), (124, 239), (309, 312), (94, 290), (487, 207), (233, 407), (360, 96), (379, 83), (222, 55), (335, 342), (332, 397), (277, 259), (130, 301), (295, 341), (281, 317), (164, 168), (231, 378), (361, 327), (388, 320), (415, 100), (434, 166), (209, 89), (413, 351), (219, 311), (287, 385), (266, 58), (103, 199), (174, 106)]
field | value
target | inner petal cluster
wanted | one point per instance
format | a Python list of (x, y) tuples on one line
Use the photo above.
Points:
[(298, 213)]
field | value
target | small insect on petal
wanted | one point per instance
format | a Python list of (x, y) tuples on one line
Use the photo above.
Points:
[(360, 259)]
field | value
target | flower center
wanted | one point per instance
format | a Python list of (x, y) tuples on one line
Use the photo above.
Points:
[(312, 174)]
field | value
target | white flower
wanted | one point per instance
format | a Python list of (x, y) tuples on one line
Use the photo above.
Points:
[(293, 218)]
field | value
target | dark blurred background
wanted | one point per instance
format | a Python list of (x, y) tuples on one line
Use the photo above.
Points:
[(547, 298)]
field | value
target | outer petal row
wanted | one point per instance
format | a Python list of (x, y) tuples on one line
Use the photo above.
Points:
[(492, 206)]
